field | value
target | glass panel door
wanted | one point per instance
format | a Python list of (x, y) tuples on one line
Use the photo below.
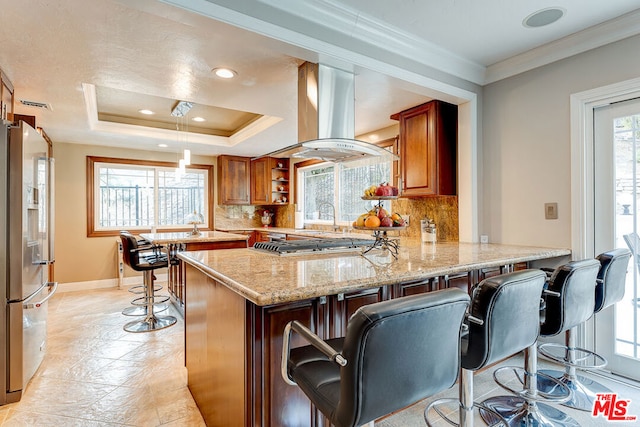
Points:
[(617, 213)]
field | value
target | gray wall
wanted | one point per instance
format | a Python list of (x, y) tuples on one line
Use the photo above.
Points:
[(526, 157)]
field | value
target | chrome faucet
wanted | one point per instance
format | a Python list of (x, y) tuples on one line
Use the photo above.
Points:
[(336, 228)]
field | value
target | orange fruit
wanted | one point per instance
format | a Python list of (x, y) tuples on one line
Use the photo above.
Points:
[(372, 221)]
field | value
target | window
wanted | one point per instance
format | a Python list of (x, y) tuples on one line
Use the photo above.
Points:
[(140, 195), (325, 185)]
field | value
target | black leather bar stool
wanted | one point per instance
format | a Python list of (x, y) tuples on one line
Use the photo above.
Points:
[(394, 354), (503, 320), (147, 264), (141, 310), (609, 289), (570, 299)]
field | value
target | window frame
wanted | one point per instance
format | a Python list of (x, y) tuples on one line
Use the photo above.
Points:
[(90, 182), (300, 166)]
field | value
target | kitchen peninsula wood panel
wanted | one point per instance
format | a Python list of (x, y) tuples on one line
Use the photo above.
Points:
[(239, 301)]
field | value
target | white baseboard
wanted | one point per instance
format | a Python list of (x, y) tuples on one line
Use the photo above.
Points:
[(104, 284)]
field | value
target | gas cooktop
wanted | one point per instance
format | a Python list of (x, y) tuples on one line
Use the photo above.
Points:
[(313, 246)]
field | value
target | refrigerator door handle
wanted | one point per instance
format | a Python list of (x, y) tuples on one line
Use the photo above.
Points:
[(28, 305)]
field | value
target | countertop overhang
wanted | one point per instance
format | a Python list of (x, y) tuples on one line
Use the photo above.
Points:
[(187, 237), (266, 279)]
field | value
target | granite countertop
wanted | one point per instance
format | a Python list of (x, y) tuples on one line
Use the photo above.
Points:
[(187, 237), (266, 279)]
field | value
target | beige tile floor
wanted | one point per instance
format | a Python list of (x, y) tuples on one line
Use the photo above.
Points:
[(95, 374)]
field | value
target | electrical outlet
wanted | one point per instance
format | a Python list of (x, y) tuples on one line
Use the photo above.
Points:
[(406, 219), (484, 238), (550, 211)]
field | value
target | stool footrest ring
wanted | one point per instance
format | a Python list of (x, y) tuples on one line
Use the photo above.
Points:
[(156, 299), (436, 404), (140, 289), (580, 362), (520, 374)]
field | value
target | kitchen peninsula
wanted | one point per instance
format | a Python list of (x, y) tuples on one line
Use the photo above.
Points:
[(239, 301), (187, 241)]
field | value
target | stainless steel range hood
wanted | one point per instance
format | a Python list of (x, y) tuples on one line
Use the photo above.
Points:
[(326, 118)]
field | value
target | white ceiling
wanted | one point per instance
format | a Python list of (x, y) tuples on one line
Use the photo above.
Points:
[(57, 52)]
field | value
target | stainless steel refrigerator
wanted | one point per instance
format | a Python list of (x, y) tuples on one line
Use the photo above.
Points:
[(26, 252)]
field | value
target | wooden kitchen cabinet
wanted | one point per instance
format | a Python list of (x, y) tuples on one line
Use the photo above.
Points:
[(234, 180), (269, 181), (427, 145)]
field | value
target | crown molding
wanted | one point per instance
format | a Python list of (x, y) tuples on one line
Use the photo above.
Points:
[(617, 29), (351, 23), (96, 125)]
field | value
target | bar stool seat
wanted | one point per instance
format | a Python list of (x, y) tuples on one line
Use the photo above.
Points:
[(503, 320), (394, 354), (569, 302), (609, 289), (132, 255)]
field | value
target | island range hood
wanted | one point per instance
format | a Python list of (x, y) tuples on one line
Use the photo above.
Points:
[(326, 118)]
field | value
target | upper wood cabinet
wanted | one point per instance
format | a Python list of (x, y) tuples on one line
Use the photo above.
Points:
[(269, 181), (427, 145), (234, 179), (261, 181)]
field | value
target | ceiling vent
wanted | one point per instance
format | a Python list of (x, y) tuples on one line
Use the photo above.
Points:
[(36, 104)]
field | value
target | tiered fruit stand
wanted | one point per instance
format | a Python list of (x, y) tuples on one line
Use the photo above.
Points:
[(381, 234)]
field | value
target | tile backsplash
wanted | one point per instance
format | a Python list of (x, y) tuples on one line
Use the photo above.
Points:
[(228, 217), (443, 210)]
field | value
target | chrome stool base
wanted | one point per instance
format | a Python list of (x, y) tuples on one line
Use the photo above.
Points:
[(465, 415), (150, 323), (517, 412), (583, 390), (142, 310)]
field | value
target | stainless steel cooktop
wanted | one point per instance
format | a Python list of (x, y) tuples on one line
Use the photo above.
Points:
[(312, 246)]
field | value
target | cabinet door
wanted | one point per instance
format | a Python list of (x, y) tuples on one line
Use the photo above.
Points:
[(342, 307), (418, 151), (233, 180), (261, 181), (428, 141)]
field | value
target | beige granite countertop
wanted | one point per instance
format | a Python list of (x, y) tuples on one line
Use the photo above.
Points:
[(266, 279), (186, 237)]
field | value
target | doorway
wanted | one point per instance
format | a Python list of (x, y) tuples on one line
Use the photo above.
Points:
[(616, 162)]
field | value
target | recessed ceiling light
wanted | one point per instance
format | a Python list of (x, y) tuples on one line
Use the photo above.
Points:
[(198, 119), (543, 17), (162, 145), (225, 73), (147, 112)]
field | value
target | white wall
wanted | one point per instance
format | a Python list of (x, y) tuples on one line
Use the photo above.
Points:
[(526, 156)]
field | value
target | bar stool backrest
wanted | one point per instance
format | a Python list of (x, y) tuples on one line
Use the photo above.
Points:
[(131, 254), (612, 277), (508, 306), (399, 351), (575, 283)]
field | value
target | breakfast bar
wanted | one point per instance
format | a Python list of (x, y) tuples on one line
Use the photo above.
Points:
[(175, 242), (240, 300)]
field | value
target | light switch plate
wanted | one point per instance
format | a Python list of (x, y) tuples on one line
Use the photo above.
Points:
[(550, 211)]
